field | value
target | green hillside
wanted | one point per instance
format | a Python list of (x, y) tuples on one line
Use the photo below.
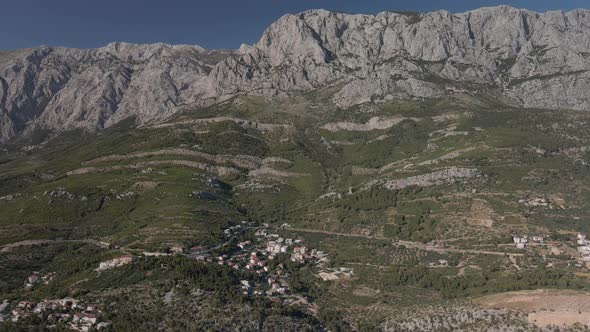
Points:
[(417, 201)]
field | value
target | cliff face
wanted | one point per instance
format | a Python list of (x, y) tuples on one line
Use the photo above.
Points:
[(60, 88), (537, 60)]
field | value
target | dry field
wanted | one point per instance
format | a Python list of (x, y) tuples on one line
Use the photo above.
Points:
[(544, 307)]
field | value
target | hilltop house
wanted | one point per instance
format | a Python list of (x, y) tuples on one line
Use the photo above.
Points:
[(518, 239), (115, 262)]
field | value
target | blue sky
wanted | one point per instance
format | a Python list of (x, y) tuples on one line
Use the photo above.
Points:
[(211, 24)]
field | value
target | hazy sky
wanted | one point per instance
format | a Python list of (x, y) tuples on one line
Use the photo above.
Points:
[(211, 24)]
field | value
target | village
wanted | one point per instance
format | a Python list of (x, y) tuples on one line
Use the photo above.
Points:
[(263, 254), (71, 312), (257, 256), (581, 241), (521, 242), (37, 278), (257, 251)]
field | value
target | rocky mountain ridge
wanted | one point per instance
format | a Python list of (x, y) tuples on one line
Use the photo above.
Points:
[(534, 59)]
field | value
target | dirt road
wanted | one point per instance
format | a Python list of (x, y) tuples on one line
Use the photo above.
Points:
[(410, 244), (25, 243)]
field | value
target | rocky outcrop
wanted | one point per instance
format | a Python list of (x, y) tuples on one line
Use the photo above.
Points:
[(267, 172), (449, 175), (240, 161), (374, 123), (247, 124), (535, 59), (218, 170)]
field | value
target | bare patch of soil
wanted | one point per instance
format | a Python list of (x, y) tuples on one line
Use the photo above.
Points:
[(144, 186), (482, 214), (366, 291), (544, 307)]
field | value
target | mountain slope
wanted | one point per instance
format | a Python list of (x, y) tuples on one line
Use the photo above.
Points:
[(417, 199)]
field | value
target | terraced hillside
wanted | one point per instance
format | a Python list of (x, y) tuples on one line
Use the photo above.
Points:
[(414, 203)]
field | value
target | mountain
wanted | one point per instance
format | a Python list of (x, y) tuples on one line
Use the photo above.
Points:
[(533, 59), (60, 88), (396, 172)]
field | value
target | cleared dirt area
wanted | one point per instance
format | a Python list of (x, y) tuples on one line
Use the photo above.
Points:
[(144, 185), (544, 307), (482, 214), (8, 247), (366, 291)]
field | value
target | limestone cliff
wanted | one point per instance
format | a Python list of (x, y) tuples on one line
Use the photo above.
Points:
[(534, 59)]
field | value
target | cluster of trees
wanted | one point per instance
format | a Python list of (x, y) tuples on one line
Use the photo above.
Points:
[(476, 284), (222, 280), (236, 140), (377, 198), (66, 259), (406, 138), (333, 320), (301, 276), (415, 228)]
